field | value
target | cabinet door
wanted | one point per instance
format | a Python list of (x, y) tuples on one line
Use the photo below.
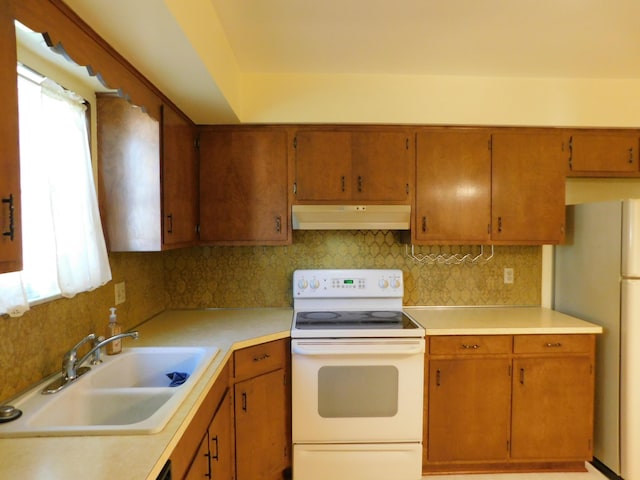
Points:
[(323, 165), (453, 186), (552, 408), (382, 166), (243, 186), (179, 180), (260, 421), (129, 175), (10, 223), (595, 151), (200, 467), (221, 440), (469, 409), (528, 186)]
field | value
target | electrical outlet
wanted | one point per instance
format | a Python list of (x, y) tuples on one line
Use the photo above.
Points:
[(121, 294), (508, 275)]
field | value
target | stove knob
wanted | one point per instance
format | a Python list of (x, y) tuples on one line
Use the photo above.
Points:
[(382, 283), (302, 284), (315, 284), (395, 283)]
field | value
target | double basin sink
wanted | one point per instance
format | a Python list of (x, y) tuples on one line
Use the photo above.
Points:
[(128, 393)]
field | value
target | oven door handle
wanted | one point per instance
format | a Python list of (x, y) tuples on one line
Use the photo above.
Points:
[(358, 347)]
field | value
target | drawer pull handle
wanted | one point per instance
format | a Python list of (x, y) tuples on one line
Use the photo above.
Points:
[(244, 401), (466, 346), (522, 376), (214, 456), (553, 345), (437, 378), (12, 221), (261, 357)]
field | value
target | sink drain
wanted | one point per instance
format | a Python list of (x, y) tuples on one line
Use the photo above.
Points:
[(9, 413)]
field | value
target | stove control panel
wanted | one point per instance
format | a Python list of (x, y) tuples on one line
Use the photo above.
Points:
[(363, 283)]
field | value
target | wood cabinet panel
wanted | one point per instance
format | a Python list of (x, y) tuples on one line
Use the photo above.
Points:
[(552, 408), (603, 151), (528, 187), (470, 344), (382, 166), (453, 186), (179, 180), (129, 175), (221, 440), (243, 186), (553, 344), (259, 359), (260, 421), (200, 468), (10, 212), (323, 165), (354, 165), (469, 409)]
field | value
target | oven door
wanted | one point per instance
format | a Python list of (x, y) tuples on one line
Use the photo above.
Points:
[(357, 390)]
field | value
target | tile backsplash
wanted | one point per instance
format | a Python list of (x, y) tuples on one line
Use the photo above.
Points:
[(261, 276)]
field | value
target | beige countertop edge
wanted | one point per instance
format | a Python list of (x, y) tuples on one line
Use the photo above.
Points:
[(143, 456)]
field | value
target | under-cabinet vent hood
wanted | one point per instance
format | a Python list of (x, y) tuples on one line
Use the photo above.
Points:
[(351, 217)]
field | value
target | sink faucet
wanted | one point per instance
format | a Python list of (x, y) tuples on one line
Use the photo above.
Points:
[(95, 349), (72, 367)]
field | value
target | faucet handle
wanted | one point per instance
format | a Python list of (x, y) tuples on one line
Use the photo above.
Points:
[(95, 358), (70, 358)]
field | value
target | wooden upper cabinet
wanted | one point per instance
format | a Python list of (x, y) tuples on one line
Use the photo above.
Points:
[(370, 165), (129, 175), (243, 186), (323, 165), (382, 166), (179, 180), (10, 220), (453, 186), (528, 187), (602, 151)]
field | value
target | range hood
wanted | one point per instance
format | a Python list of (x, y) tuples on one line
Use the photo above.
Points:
[(351, 217)]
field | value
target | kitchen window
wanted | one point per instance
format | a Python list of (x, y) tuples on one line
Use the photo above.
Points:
[(64, 251)]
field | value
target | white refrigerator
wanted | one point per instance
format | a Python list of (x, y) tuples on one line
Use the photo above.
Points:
[(597, 278)]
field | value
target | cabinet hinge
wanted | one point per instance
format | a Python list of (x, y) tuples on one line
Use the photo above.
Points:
[(198, 230), (295, 142), (196, 142), (295, 188)]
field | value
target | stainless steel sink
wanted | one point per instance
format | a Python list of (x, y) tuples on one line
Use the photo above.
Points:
[(127, 394)]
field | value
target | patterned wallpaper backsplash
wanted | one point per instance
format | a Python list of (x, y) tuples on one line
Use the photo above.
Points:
[(31, 347), (240, 276)]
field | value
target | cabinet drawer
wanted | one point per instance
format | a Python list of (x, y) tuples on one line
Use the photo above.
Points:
[(470, 344), (259, 359), (553, 343)]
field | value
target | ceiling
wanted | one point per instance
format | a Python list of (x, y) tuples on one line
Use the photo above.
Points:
[(171, 41)]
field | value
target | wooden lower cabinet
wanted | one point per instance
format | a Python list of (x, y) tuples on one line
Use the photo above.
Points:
[(524, 402), (262, 411), (242, 430), (261, 445), (469, 401)]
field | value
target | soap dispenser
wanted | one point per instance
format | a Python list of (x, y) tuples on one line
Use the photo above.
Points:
[(113, 328)]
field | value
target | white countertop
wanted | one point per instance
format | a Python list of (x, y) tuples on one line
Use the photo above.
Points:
[(142, 456), (498, 321)]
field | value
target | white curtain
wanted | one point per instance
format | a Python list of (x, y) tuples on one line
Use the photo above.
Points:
[(63, 243)]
